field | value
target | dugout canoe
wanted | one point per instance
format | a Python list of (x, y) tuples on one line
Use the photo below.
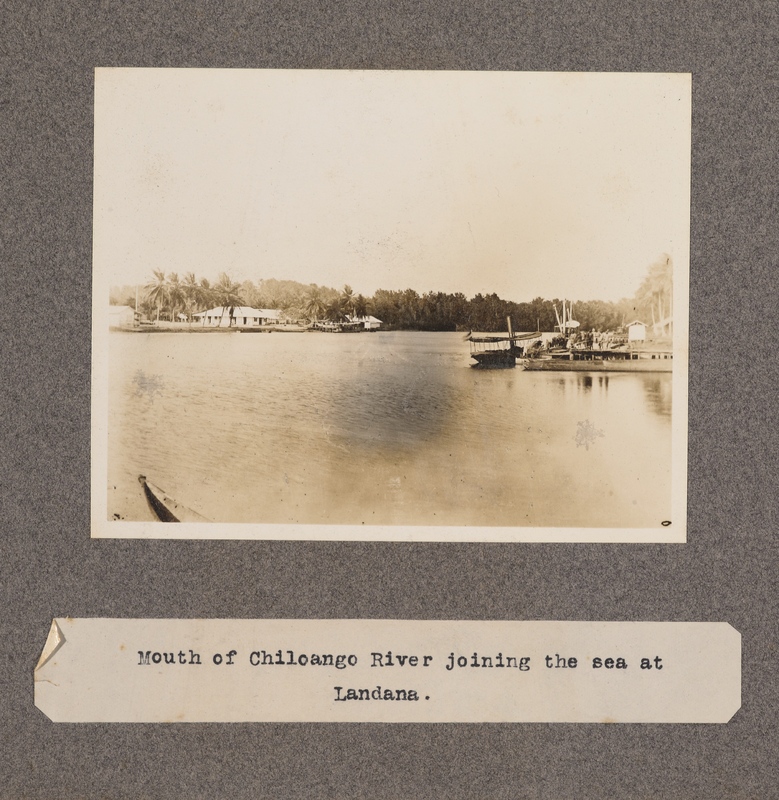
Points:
[(164, 507)]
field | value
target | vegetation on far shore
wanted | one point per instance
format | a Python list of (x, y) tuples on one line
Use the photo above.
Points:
[(170, 297)]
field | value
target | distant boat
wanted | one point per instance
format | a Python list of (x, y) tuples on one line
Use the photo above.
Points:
[(337, 327), (165, 508), (498, 352)]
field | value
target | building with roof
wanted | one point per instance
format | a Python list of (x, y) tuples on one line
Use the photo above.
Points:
[(636, 331), (242, 317), (369, 322), (122, 317)]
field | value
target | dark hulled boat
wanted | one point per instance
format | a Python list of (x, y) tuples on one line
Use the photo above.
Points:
[(164, 507), (499, 352)]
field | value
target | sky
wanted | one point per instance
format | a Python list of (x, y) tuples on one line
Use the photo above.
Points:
[(524, 184)]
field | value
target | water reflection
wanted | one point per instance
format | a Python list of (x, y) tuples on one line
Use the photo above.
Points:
[(658, 395), (656, 389), (584, 381), (588, 381)]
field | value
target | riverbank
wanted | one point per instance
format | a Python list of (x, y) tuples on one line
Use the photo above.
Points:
[(186, 327)]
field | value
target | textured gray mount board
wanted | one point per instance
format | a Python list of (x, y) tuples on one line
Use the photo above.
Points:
[(120, 670), (726, 570), (555, 185)]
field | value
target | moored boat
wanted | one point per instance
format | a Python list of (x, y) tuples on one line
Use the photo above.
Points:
[(602, 361), (498, 352), (575, 351), (164, 507), (497, 358)]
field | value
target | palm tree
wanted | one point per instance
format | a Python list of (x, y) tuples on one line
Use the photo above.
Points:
[(204, 296), (228, 294), (656, 292), (314, 305), (333, 310), (157, 290), (176, 296), (347, 300), (191, 292), (362, 306)]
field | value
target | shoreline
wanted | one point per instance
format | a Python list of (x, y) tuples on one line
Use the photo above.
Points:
[(184, 327)]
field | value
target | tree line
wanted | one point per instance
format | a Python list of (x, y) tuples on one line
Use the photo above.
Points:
[(170, 297)]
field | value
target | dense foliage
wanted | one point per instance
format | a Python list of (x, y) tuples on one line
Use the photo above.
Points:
[(172, 298)]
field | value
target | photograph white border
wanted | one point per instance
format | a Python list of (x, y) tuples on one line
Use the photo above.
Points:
[(102, 527)]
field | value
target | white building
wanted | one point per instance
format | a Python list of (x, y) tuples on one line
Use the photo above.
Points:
[(370, 323), (636, 331), (121, 317), (243, 317)]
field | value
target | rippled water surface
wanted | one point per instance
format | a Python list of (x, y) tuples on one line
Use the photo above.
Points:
[(381, 428)]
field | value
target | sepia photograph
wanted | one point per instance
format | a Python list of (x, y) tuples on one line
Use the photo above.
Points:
[(390, 305)]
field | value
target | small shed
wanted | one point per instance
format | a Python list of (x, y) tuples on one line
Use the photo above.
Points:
[(121, 317), (636, 331)]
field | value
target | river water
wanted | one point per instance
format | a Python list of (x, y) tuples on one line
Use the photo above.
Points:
[(388, 428)]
